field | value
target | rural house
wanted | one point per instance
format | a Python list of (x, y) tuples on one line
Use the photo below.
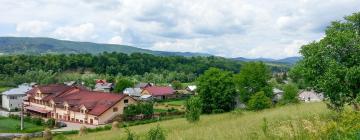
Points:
[(75, 104), (103, 85), (13, 98), (278, 94), (134, 92), (143, 85), (157, 92), (310, 96)]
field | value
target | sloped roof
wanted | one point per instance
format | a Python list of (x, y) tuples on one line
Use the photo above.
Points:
[(132, 91), (160, 91), (142, 85), (21, 90), (95, 102), (53, 90)]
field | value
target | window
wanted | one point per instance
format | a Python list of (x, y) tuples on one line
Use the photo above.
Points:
[(126, 101), (115, 109)]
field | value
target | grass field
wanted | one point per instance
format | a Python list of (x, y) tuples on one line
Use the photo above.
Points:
[(8, 125), (228, 126)]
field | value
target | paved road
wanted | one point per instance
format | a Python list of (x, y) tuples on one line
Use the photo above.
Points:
[(73, 126)]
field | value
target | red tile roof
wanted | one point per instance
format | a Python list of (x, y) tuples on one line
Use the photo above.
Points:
[(160, 91), (96, 103)]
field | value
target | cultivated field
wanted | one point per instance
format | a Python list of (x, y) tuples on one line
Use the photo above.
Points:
[(228, 126)]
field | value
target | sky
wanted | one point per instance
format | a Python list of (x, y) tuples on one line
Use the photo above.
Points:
[(228, 28)]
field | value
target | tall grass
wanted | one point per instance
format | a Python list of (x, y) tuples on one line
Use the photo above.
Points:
[(227, 126)]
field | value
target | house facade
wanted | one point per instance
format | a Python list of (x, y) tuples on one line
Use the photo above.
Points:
[(13, 98), (75, 104)]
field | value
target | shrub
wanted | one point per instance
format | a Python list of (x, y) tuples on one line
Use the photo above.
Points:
[(130, 135), (156, 133), (37, 120), (259, 101), (47, 134), (290, 94), (193, 109), (50, 123), (135, 109)]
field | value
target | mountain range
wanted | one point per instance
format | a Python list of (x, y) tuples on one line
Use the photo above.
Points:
[(42, 45), (288, 60)]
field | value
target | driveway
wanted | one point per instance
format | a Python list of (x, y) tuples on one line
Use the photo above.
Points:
[(73, 126)]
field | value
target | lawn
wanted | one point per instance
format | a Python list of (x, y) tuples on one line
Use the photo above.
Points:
[(2, 89), (229, 126), (176, 104), (9, 125)]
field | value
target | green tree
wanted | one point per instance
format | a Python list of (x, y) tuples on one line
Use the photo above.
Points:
[(121, 84), (259, 101), (290, 94), (193, 109), (332, 65), (216, 90), (176, 85), (253, 77)]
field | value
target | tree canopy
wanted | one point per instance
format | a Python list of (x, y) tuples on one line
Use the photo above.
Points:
[(217, 91), (253, 77), (332, 65)]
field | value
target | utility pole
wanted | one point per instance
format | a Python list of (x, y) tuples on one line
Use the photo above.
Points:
[(22, 117)]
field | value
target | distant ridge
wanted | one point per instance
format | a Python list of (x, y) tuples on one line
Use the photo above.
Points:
[(42, 45), (288, 60)]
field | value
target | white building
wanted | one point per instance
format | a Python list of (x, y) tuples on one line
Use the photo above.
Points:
[(278, 94), (13, 98)]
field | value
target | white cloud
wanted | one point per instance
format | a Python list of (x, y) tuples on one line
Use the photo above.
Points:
[(32, 27), (116, 40), (229, 28), (79, 32)]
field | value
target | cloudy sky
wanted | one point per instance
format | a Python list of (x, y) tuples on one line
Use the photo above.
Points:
[(229, 28)]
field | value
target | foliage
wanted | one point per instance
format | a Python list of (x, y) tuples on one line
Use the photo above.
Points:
[(50, 123), (331, 65), (147, 109), (176, 85), (290, 94), (259, 101), (121, 84), (216, 90), (193, 109), (253, 77), (156, 133)]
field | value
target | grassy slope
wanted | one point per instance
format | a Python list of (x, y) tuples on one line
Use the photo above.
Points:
[(228, 126)]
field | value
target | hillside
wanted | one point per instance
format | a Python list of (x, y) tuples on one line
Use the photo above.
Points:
[(226, 126), (287, 61), (38, 45)]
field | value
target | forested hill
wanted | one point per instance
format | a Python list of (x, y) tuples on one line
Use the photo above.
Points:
[(37, 45)]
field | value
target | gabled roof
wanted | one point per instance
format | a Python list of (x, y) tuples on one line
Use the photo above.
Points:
[(95, 102), (132, 91), (160, 91), (21, 90), (143, 85), (53, 90)]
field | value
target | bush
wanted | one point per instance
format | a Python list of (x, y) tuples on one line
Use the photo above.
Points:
[(147, 109), (130, 135), (290, 94), (37, 121), (156, 133), (259, 101), (193, 109), (50, 123)]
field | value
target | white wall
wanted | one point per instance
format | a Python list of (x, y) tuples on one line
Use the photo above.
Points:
[(11, 104)]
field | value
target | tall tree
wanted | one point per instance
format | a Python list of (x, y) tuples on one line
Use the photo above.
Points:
[(332, 65), (122, 83), (253, 78), (217, 91)]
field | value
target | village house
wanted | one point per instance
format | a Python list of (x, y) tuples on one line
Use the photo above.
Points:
[(143, 85), (134, 92), (310, 96), (75, 104), (157, 92), (278, 94), (13, 98), (103, 85)]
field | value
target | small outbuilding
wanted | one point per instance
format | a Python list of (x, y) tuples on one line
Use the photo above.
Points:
[(311, 96)]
